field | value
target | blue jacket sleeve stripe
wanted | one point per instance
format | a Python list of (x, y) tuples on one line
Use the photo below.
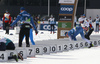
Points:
[(33, 23)]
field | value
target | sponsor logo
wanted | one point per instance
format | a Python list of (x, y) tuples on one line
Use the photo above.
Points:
[(45, 27), (65, 25), (67, 1), (65, 18), (66, 9), (48, 27)]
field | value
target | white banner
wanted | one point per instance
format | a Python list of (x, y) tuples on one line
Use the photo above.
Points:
[(67, 1), (62, 32)]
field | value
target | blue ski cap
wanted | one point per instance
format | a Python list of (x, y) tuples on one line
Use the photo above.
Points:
[(66, 33), (97, 16), (22, 8), (83, 14)]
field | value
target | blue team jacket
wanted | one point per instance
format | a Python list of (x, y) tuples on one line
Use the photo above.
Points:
[(74, 32), (24, 17), (71, 33)]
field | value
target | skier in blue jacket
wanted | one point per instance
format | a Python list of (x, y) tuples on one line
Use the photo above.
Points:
[(26, 24), (74, 32)]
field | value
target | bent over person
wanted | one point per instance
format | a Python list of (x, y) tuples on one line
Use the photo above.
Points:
[(74, 32), (26, 24), (7, 44)]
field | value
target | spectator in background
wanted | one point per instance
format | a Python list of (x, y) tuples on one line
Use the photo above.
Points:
[(43, 19), (84, 23), (36, 19), (89, 30), (80, 19), (90, 20), (97, 20), (7, 21), (52, 23)]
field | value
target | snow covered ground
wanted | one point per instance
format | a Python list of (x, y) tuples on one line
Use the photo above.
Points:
[(80, 56)]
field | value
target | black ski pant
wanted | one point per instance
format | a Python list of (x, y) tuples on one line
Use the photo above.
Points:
[(24, 32), (7, 27), (87, 36), (52, 27), (97, 27)]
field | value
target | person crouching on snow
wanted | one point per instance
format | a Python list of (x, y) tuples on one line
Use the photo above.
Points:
[(7, 44), (74, 32)]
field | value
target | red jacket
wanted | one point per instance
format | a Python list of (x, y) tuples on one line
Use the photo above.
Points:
[(7, 18)]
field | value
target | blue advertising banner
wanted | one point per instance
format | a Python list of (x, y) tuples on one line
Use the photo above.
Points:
[(66, 9), (47, 27)]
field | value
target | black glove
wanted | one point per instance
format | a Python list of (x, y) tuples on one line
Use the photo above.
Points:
[(36, 32)]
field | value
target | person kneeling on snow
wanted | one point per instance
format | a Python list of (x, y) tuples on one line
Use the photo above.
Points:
[(74, 32), (89, 30), (7, 44)]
